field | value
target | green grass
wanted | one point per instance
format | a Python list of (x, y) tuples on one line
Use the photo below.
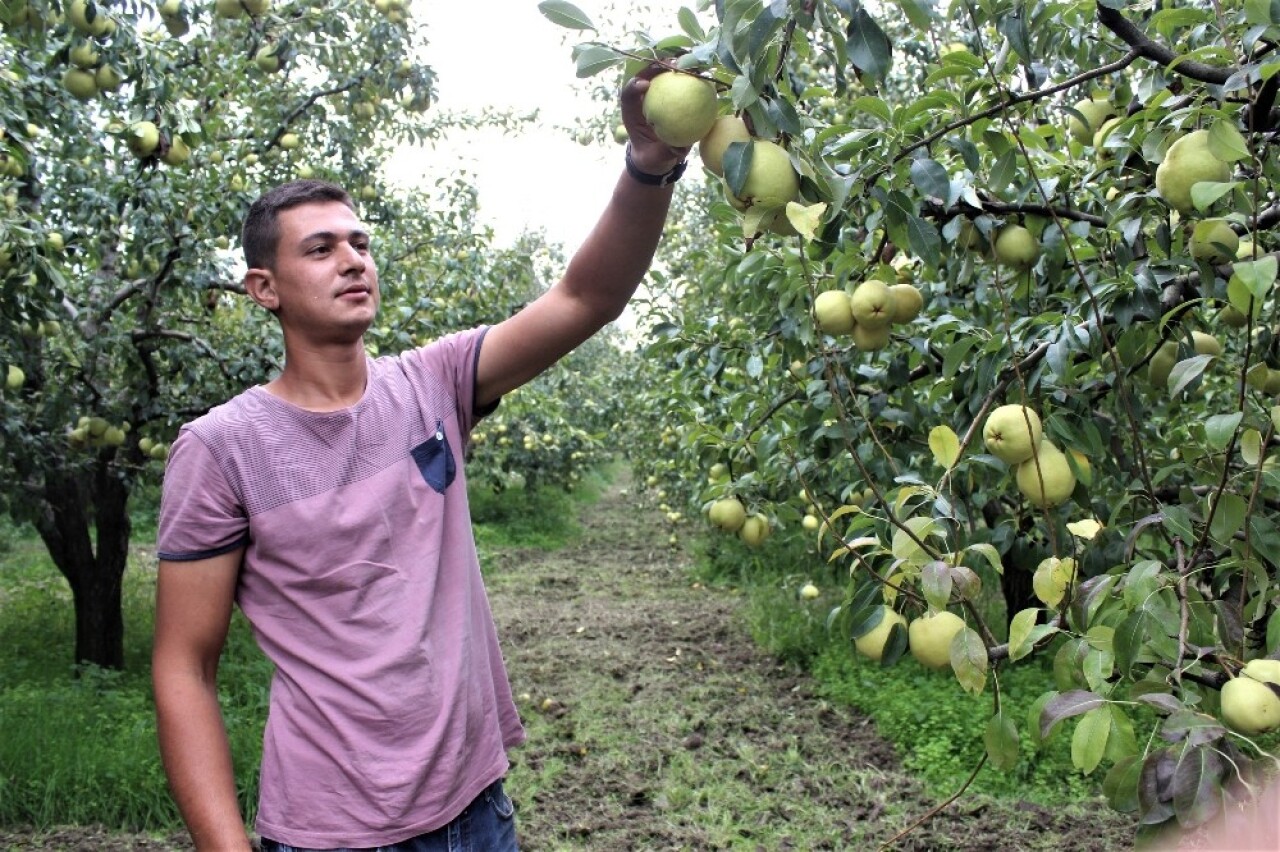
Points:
[(935, 726)]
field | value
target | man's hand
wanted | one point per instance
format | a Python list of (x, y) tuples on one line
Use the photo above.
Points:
[(649, 153)]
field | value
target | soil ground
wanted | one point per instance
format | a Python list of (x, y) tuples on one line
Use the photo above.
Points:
[(655, 723)]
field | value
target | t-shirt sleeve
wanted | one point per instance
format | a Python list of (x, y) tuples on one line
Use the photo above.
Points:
[(453, 360), (200, 515)]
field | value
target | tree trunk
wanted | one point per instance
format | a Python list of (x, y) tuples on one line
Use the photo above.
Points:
[(94, 577)]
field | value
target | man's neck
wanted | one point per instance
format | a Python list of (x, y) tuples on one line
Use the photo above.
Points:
[(324, 379)]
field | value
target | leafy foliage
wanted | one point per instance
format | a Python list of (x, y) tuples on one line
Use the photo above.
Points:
[(922, 134)]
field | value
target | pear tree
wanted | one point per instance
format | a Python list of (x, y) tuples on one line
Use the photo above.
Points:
[(1036, 174)]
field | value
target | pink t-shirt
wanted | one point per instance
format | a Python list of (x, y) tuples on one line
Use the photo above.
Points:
[(390, 704)]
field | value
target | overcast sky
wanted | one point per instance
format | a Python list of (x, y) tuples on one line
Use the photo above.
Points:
[(504, 54)]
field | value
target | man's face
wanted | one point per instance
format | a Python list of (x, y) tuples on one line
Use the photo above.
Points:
[(325, 281)]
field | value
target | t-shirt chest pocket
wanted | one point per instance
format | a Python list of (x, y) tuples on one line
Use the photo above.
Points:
[(435, 460)]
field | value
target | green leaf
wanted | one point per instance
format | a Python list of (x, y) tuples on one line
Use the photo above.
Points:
[(930, 177), (594, 59), (1228, 517), (969, 660), (1020, 627), (935, 584), (1065, 705), (873, 106), (806, 218), (1122, 742), (1129, 639), (1241, 298), (689, 23), (1219, 429), (1226, 143), (1121, 784), (918, 14), (945, 445), (904, 547), (869, 48), (1196, 783), (1187, 371), (1001, 739), (1258, 276), (1204, 193), (565, 14), (1251, 447), (1275, 417), (924, 241), (1089, 743), (988, 552), (737, 165)]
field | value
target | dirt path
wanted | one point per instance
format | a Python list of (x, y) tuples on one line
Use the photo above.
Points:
[(656, 724)]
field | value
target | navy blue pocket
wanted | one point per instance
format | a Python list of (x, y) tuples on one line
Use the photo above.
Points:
[(435, 460)]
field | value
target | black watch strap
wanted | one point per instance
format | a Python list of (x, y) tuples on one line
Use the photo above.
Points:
[(654, 180)]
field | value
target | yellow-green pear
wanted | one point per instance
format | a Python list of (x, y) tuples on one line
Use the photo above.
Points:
[(79, 83), (726, 130), (871, 304), (870, 338), (83, 55), (289, 141), (1104, 154), (871, 644), (1012, 432), (681, 107), (930, 638), (1263, 669), (1205, 343), (908, 301), (1233, 317), (755, 530), (1046, 479), (1094, 111), (228, 8), (1214, 241), (143, 138), (1017, 247), (728, 514), (14, 378), (1249, 706), (832, 313), (108, 79), (177, 153), (1162, 363), (771, 181), (1188, 162)]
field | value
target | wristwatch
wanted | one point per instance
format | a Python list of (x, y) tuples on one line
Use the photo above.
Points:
[(654, 180)]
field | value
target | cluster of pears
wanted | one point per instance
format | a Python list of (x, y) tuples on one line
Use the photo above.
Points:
[(929, 637), (1166, 357), (730, 515), (1188, 161), (1251, 702), (868, 312), (684, 110), (96, 432), (1045, 476), (87, 74)]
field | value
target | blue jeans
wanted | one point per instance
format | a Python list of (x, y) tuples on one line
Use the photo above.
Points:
[(487, 825)]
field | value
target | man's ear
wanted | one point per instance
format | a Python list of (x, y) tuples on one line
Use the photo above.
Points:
[(260, 284)]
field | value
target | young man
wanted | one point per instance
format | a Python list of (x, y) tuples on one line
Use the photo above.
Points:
[(329, 504)]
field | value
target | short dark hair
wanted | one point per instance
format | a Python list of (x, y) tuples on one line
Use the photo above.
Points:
[(260, 236)]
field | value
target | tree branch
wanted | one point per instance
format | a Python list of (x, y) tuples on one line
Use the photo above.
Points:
[(1133, 36)]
